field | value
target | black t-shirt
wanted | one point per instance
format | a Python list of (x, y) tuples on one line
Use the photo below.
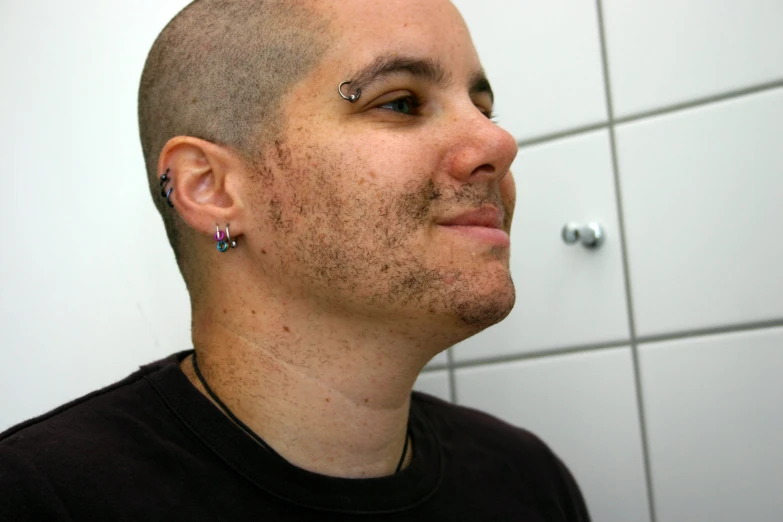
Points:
[(152, 447)]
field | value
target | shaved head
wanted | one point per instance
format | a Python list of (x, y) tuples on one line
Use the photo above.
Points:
[(218, 72)]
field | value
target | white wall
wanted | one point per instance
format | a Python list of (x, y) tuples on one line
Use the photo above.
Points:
[(650, 365), (90, 288)]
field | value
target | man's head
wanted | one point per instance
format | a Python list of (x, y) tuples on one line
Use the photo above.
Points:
[(218, 72), (380, 209)]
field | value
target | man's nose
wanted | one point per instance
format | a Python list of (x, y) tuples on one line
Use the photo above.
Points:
[(481, 151)]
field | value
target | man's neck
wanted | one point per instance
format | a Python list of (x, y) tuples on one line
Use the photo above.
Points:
[(328, 396)]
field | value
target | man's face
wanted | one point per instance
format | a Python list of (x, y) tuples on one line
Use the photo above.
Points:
[(358, 203)]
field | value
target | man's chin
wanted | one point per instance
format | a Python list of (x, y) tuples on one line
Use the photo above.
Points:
[(486, 310)]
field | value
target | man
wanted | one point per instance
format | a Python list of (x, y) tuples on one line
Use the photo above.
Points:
[(339, 202)]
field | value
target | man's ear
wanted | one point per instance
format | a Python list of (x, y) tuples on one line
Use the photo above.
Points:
[(204, 177)]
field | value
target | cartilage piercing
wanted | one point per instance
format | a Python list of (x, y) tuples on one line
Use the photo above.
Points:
[(164, 179)]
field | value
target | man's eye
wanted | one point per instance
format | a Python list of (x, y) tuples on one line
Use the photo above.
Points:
[(490, 114), (406, 105)]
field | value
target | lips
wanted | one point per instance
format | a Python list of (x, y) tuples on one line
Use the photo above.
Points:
[(484, 225), (489, 217)]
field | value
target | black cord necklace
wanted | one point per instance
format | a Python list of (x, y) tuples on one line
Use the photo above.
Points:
[(252, 434)]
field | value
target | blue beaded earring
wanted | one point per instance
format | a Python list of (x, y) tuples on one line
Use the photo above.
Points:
[(220, 237), (224, 239)]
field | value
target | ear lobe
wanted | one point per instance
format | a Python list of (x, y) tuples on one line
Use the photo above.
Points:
[(199, 172)]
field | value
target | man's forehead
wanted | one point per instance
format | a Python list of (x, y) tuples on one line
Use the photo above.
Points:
[(375, 20), (391, 11), (428, 37)]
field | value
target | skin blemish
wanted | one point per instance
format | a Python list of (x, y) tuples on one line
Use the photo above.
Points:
[(253, 312), (287, 329), (361, 181), (225, 311), (263, 252), (366, 401), (328, 399), (372, 175)]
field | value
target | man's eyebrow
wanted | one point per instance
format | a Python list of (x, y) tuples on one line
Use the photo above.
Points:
[(424, 68), (386, 65)]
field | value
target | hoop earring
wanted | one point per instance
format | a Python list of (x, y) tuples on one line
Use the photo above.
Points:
[(224, 239), (220, 237), (232, 242)]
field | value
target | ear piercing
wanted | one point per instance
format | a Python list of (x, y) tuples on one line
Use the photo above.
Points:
[(164, 179), (351, 98), (224, 239)]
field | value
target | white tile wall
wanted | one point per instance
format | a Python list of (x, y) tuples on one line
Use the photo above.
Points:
[(584, 406), (439, 360), (714, 424), (665, 52), (703, 197), (543, 60), (566, 295), (435, 383)]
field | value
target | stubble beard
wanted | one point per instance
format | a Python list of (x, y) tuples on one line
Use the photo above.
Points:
[(359, 250)]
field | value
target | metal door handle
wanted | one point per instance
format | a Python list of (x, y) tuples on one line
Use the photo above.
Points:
[(590, 235)]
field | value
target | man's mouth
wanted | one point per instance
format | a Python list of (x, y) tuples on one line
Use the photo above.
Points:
[(484, 224)]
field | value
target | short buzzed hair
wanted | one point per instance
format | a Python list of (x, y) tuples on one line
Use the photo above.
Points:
[(217, 72)]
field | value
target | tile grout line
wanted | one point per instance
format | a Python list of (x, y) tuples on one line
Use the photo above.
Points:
[(661, 111), (717, 330), (540, 354), (545, 138), (700, 102), (432, 368), (608, 345), (626, 265)]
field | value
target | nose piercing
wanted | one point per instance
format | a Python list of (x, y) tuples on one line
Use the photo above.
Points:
[(353, 97)]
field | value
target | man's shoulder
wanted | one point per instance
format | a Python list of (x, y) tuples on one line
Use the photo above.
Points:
[(480, 427), (79, 448), (492, 449), (85, 420)]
